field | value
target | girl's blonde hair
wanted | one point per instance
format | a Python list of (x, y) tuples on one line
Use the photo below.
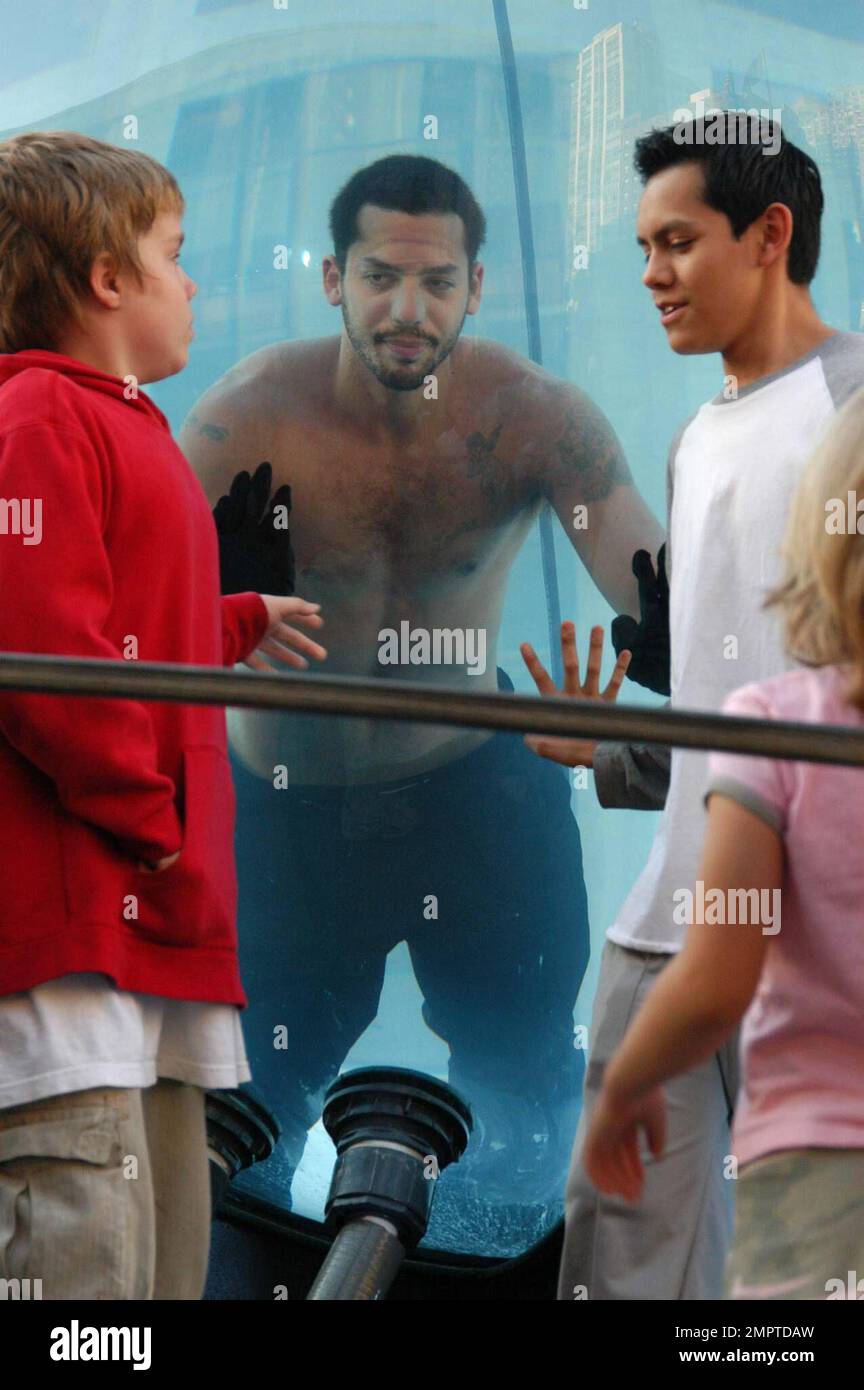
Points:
[(823, 591), (64, 199)]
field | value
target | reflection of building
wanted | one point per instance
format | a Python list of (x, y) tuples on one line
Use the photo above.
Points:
[(261, 133), (835, 123), (834, 128), (615, 93)]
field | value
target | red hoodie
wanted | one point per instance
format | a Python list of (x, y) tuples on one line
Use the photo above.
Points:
[(126, 566)]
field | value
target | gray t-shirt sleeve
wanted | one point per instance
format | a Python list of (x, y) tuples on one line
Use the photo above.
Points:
[(842, 357), (632, 775), (749, 798)]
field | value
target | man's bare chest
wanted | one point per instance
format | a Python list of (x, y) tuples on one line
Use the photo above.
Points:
[(445, 506)]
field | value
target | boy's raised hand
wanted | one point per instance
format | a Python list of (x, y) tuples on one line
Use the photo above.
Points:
[(573, 752), (281, 639)]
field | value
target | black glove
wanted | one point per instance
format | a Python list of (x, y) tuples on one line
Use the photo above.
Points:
[(648, 639), (253, 553)]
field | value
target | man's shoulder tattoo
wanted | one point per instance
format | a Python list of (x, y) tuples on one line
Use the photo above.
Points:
[(481, 451), (589, 451), (486, 465), (219, 433)]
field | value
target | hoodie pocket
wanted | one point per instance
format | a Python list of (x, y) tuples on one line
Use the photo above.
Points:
[(194, 902)]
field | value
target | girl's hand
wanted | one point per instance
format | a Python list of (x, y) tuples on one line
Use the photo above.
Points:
[(610, 1156), (573, 752), (281, 640)]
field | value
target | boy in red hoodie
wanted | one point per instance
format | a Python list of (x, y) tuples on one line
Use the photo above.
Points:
[(119, 983)]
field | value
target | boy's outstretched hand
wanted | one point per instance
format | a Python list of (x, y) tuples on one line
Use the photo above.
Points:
[(610, 1154), (281, 639), (573, 752)]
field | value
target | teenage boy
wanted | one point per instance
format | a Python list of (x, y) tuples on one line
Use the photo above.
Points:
[(119, 984), (731, 235)]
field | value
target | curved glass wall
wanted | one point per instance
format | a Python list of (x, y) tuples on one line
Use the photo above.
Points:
[(415, 895)]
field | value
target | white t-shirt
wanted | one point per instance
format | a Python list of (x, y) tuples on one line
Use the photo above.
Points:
[(734, 467), (80, 1032)]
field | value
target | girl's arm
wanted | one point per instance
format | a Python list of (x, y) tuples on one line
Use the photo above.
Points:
[(697, 1001)]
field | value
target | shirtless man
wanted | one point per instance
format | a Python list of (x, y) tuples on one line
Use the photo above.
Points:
[(417, 462)]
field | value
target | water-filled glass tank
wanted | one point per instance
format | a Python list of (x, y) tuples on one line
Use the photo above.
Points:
[(411, 894)]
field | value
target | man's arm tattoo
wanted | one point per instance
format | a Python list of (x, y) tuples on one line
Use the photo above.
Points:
[(588, 451), (219, 433)]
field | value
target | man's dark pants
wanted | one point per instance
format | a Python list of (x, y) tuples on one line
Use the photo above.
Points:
[(477, 865)]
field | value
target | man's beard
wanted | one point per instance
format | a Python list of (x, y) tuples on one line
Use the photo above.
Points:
[(404, 379)]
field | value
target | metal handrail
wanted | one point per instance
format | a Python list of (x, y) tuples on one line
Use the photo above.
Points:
[(354, 697)]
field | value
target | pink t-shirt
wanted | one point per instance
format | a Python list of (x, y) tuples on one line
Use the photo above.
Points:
[(802, 1038)]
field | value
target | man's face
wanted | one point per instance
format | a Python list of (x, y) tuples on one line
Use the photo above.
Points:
[(405, 292), (158, 314), (710, 282)]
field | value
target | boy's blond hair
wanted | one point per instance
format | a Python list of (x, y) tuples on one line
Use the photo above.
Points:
[(823, 591), (64, 199)]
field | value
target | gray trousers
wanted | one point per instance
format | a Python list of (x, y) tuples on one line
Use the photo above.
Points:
[(105, 1194), (673, 1243)]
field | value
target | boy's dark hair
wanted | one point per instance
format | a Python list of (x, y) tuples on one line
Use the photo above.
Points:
[(405, 183), (741, 179)]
